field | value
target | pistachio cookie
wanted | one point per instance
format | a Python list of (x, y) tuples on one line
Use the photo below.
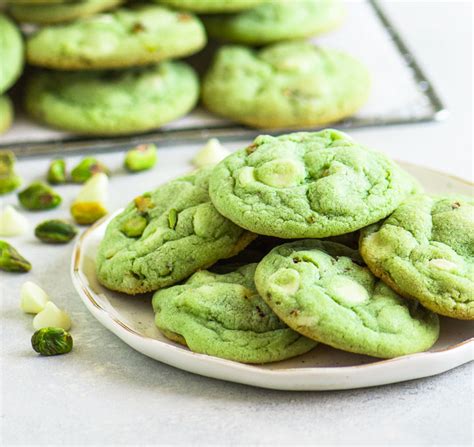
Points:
[(425, 250), (307, 185), (113, 102), (223, 315), (11, 51), (126, 37), (164, 236), (324, 290), (43, 13), (289, 84), (276, 21), (6, 113), (211, 6)]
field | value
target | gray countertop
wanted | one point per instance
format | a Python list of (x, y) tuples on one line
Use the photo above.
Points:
[(106, 393)]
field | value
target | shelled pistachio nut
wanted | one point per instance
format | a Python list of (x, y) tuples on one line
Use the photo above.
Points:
[(141, 158), (57, 172), (9, 180), (86, 168), (51, 341), (55, 231), (39, 196), (11, 260)]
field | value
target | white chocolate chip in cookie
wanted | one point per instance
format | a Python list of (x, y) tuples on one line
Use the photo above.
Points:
[(443, 264), (347, 291), (286, 281)]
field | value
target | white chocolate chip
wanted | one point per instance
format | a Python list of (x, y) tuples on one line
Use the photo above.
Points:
[(12, 223), (347, 291), (287, 281), (52, 316), (94, 190), (246, 176), (443, 264), (283, 173), (211, 154), (33, 298)]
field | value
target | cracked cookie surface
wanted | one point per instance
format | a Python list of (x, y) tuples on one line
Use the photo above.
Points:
[(126, 37), (276, 21), (288, 84), (425, 250), (112, 102), (324, 291), (164, 236), (307, 185), (223, 315)]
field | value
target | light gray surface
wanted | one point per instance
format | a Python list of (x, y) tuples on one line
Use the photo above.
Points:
[(105, 393)]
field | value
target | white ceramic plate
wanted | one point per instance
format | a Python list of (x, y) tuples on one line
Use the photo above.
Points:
[(324, 368)]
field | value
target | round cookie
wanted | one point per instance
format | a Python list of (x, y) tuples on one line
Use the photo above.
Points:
[(323, 290), (125, 37), (223, 316), (47, 14), (164, 236), (11, 51), (115, 102), (305, 184), (290, 84), (425, 251), (211, 6), (6, 113), (276, 21)]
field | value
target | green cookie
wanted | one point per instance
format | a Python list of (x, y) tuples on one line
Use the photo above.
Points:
[(46, 14), (125, 37), (11, 53), (223, 315), (164, 236), (425, 250), (211, 6), (290, 84), (323, 290), (276, 21), (6, 113), (113, 102), (307, 185)]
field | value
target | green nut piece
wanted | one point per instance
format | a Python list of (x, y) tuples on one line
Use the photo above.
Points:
[(86, 168), (172, 218), (134, 226), (9, 180), (11, 260), (144, 204), (57, 172), (51, 341), (55, 231), (141, 158), (39, 196)]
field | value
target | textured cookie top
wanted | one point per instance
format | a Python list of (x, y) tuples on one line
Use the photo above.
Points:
[(324, 291), (425, 250), (307, 185), (286, 84), (113, 101), (211, 6), (11, 51), (223, 315), (277, 20), (125, 37), (164, 236)]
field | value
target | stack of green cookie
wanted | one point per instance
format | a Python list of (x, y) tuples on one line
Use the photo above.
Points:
[(277, 298), (109, 72)]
